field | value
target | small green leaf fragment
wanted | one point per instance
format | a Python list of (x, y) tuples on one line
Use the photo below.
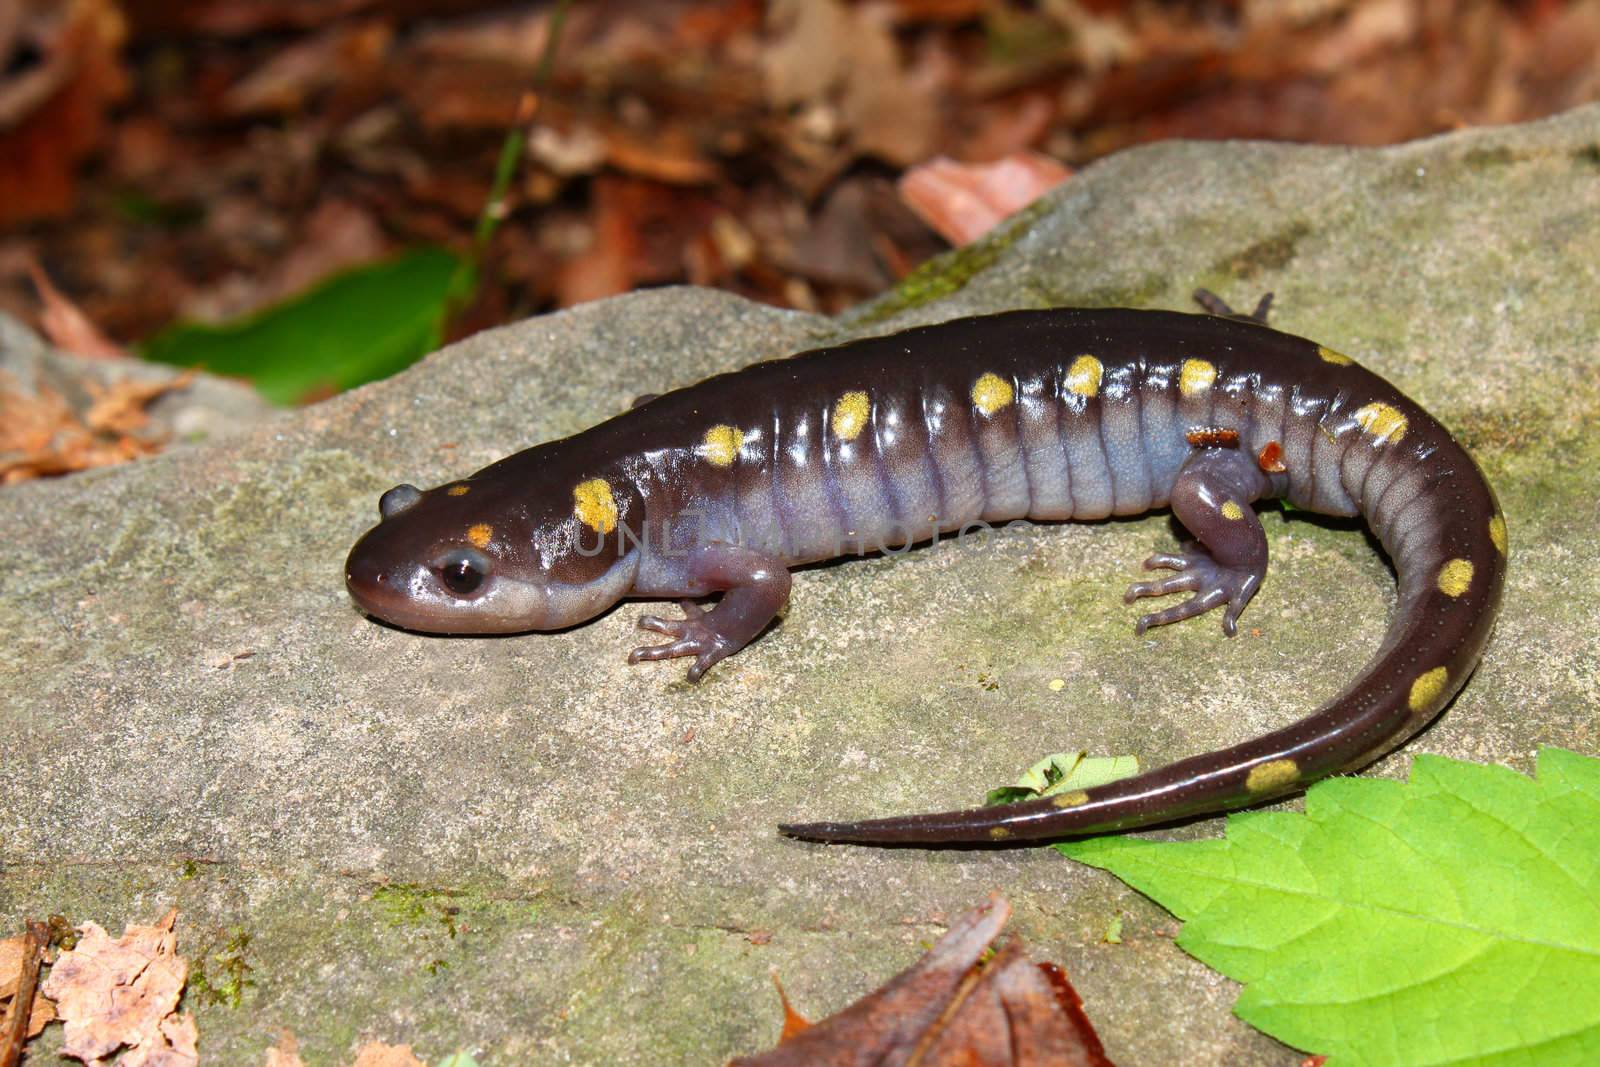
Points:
[(1452, 919), (459, 1059), (356, 327), (1064, 772), (1113, 934)]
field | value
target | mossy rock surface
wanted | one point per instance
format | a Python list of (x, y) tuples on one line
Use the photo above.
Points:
[(525, 848)]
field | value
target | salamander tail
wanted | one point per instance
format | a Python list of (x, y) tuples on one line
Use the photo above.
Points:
[(1005, 824)]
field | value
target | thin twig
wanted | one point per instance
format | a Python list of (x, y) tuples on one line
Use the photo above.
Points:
[(16, 1035)]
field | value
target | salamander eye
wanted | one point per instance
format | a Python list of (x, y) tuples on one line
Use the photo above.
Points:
[(461, 576), (398, 499)]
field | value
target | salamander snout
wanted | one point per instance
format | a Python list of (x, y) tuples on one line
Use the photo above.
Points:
[(384, 588)]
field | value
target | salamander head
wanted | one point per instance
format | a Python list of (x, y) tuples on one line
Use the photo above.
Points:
[(474, 557)]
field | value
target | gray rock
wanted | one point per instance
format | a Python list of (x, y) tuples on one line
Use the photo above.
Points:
[(525, 848)]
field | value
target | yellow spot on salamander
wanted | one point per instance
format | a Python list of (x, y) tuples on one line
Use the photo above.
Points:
[(1231, 511), (594, 505), (458, 490), (1083, 377), (1497, 532), (1330, 356), (1382, 421), (991, 393), (850, 415), (999, 833), (1070, 800), (721, 445), (1271, 775), (1455, 577), (1427, 689), (480, 535), (1195, 377)]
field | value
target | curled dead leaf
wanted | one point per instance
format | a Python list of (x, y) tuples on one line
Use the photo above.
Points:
[(957, 1006), (68, 328), (964, 201)]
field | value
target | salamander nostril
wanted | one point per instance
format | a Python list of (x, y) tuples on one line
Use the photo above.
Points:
[(362, 573)]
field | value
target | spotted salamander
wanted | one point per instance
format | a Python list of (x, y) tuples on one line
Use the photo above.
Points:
[(1045, 415)]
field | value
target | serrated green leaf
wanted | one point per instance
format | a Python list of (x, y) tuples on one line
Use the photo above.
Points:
[(1453, 919), (1062, 772), (356, 327)]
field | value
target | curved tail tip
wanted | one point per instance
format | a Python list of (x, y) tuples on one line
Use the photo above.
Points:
[(867, 832), (825, 832), (898, 830), (1009, 824)]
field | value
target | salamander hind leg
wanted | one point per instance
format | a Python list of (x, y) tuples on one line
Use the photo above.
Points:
[(1225, 565), (1215, 305), (756, 587)]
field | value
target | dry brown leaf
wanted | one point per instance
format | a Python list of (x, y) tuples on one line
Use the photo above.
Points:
[(239, 18), (844, 64), (890, 108), (805, 60), (952, 1008), (41, 435), (287, 80), (121, 408), (667, 155), (124, 992), (52, 113), (964, 201), (338, 234), (608, 265), (793, 1021), (67, 327), (11, 953), (377, 1054)]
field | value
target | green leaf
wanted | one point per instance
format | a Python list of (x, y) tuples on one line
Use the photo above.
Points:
[(356, 327), (1454, 919), (459, 1059), (1063, 772)]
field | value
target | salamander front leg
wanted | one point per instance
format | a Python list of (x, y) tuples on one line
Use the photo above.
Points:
[(1212, 498), (756, 587)]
